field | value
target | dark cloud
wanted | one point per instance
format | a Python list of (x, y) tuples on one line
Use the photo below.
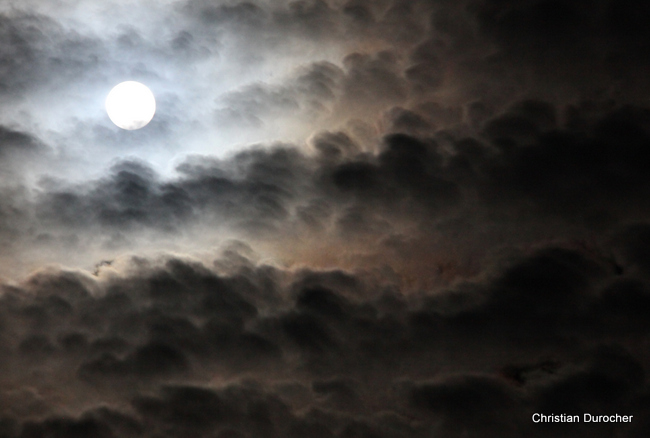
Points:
[(369, 363), (528, 168), (36, 49), (348, 219)]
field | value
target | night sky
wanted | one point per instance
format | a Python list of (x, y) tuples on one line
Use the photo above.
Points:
[(347, 219)]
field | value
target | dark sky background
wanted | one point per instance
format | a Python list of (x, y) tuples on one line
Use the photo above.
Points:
[(348, 219)]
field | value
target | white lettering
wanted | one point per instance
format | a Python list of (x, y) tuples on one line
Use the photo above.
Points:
[(616, 418)]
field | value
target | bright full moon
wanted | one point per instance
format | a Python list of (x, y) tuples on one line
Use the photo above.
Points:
[(130, 105)]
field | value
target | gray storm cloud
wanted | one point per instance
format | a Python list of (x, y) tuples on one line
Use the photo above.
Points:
[(347, 219)]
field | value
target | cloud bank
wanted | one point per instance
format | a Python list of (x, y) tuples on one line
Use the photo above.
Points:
[(347, 219)]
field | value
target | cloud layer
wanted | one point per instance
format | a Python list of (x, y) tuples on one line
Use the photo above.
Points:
[(347, 219)]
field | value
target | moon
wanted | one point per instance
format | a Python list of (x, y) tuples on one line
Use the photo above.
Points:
[(130, 105)]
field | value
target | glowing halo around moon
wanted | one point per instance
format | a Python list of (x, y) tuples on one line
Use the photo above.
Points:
[(130, 105)]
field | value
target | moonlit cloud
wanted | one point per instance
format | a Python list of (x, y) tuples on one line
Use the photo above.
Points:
[(346, 219)]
